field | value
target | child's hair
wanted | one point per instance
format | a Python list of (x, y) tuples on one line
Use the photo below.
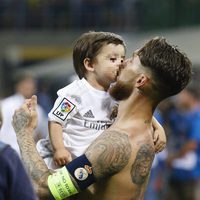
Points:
[(88, 45)]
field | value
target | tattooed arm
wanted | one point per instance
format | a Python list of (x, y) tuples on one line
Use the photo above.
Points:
[(24, 123), (109, 153)]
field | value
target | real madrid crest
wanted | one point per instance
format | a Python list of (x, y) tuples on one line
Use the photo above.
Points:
[(81, 173)]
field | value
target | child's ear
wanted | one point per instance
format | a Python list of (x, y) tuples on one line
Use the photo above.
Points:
[(142, 80), (88, 65)]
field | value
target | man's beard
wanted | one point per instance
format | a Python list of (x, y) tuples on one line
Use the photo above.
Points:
[(121, 90)]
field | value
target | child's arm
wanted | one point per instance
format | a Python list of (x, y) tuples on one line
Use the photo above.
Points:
[(61, 155), (159, 136)]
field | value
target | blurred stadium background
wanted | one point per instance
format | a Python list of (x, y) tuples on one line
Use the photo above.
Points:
[(38, 35)]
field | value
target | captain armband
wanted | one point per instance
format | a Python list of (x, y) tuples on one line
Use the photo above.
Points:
[(60, 183)]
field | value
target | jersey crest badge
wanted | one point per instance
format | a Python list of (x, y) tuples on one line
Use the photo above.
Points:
[(64, 108), (81, 174)]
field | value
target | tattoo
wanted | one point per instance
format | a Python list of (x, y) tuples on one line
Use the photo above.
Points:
[(114, 112), (34, 164), (20, 120), (142, 164), (147, 121), (109, 153)]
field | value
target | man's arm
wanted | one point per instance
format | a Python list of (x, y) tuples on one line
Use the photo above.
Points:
[(24, 123), (109, 153)]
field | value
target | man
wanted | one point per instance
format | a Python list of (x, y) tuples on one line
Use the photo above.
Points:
[(184, 161), (117, 164), (14, 181), (25, 87)]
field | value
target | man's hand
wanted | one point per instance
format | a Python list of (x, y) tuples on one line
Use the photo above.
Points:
[(26, 116)]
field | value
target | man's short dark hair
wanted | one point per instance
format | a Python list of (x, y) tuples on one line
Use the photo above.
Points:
[(170, 67)]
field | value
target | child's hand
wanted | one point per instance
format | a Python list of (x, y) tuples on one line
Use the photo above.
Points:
[(62, 157), (159, 139)]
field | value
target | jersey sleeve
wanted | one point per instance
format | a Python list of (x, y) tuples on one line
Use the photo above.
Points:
[(64, 109), (14, 181)]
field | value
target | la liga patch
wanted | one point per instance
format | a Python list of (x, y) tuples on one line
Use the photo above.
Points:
[(64, 108)]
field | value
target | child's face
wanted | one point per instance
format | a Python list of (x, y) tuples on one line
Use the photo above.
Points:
[(108, 63)]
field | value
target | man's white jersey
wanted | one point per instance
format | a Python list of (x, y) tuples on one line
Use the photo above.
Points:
[(84, 112)]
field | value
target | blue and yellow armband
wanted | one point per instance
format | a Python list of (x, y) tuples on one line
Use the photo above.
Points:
[(61, 184)]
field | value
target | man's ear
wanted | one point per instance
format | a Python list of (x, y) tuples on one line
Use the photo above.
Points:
[(142, 80), (88, 65)]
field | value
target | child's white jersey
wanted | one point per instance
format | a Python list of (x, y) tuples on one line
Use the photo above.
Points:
[(84, 113)]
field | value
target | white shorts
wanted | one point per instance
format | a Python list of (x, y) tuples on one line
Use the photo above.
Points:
[(45, 150)]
